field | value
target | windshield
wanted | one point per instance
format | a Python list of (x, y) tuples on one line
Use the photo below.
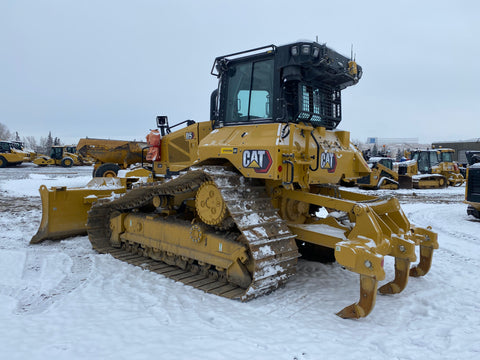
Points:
[(447, 156)]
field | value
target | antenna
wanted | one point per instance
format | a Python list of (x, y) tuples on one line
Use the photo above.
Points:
[(316, 39)]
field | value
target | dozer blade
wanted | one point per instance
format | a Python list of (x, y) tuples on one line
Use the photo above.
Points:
[(405, 182), (368, 295), (65, 211)]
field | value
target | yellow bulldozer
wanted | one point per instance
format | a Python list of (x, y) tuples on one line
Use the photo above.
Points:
[(62, 155), (436, 168), (230, 204)]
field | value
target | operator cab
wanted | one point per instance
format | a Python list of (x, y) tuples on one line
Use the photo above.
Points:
[(426, 159), (299, 82), (387, 162), (56, 152), (5, 147), (446, 155)]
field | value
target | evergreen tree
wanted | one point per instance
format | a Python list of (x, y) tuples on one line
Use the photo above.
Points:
[(49, 142)]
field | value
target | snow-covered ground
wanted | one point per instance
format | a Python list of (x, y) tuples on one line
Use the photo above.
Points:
[(62, 300)]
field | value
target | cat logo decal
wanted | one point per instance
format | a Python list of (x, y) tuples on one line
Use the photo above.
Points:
[(258, 160), (328, 161)]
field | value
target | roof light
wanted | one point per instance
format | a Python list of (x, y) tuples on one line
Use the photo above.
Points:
[(306, 49), (316, 51), (294, 50)]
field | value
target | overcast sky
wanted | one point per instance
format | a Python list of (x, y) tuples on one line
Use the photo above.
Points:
[(106, 69)]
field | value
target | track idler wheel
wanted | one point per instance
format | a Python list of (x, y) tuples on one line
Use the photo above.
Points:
[(368, 295)]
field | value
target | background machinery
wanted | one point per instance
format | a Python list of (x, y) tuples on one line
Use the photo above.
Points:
[(231, 203), (110, 156), (384, 176), (12, 153), (437, 168), (62, 155), (472, 190)]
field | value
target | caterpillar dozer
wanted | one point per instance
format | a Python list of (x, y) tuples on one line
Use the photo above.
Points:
[(472, 190), (436, 169), (62, 155), (230, 204)]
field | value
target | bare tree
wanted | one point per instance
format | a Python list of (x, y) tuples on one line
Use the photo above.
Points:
[(31, 143), (4, 133)]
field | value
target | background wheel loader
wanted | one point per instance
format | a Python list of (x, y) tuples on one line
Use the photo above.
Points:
[(231, 203), (62, 155)]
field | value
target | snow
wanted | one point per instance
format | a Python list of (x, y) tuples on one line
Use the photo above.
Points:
[(62, 300)]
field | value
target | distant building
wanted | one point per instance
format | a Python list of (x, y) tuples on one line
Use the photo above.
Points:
[(460, 147), (389, 141)]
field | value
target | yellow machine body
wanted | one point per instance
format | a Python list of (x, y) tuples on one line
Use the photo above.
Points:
[(11, 155), (384, 175), (118, 154), (62, 155), (230, 204)]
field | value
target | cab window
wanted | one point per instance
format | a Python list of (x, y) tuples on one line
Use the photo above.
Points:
[(249, 91)]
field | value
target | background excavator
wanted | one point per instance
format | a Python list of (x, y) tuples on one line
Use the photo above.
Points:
[(228, 205)]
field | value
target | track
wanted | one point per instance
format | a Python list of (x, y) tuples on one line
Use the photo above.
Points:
[(271, 245)]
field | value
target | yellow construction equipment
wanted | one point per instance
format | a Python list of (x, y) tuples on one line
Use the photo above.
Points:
[(12, 153), (110, 156), (62, 155), (230, 204), (436, 169), (384, 176)]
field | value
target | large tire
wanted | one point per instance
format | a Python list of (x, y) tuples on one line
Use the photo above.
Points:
[(67, 162), (107, 170), (3, 162)]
